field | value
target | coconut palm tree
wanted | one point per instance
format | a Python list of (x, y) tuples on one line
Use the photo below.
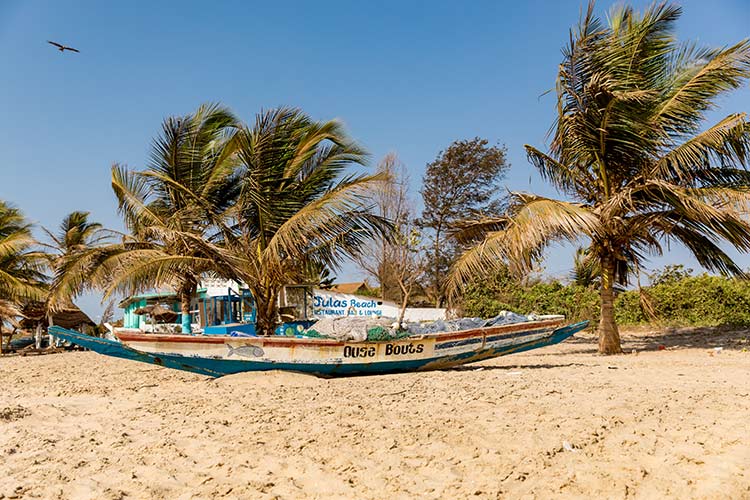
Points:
[(169, 210), (76, 233), (631, 153), (74, 237), (296, 206), (21, 265)]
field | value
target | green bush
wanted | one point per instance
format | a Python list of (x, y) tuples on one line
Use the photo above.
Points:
[(698, 300), (547, 297), (677, 299), (628, 309)]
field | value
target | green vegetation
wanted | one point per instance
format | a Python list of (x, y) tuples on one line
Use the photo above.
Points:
[(21, 266), (502, 292), (702, 300), (677, 299)]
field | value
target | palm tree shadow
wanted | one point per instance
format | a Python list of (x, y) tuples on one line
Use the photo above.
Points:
[(583, 343), (704, 337), (510, 368)]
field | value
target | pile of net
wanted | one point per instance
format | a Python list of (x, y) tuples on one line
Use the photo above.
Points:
[(454, 325), (356, 329), (362, 329)]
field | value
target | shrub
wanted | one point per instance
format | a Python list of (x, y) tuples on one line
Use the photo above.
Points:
[(546, 297), (677, 298)]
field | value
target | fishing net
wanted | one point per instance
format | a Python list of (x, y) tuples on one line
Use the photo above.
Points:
[(378, 333), (361, 329)]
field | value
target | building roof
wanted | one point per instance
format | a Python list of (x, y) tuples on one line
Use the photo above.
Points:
[(154, 295), (351, 288), (69, 317)]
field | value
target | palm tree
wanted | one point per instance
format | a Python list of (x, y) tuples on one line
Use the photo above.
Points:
[(169, 209), (296, 207), (76, 233), (631, 153), (74, 237), (586, 271), (21, 265)]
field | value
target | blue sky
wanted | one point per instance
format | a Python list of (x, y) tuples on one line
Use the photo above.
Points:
[(404, 76)]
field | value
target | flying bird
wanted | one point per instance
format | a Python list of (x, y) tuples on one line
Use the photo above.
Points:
[(62, 48)]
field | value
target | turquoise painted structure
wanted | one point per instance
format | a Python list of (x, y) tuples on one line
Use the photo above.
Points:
[(224, 314), (130, 304), (186, 323), (219, 314)]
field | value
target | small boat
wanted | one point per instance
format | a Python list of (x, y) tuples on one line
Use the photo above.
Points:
[(218, 355)]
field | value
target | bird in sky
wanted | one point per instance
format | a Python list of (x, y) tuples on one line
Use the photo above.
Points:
[(62, 48)]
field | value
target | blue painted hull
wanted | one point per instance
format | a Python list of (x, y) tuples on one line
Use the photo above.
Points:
[(214, 367)]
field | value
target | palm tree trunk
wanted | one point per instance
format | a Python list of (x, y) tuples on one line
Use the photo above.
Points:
[(38, 336), (51, 340), (1, 335), (266, 313), (609, 336)]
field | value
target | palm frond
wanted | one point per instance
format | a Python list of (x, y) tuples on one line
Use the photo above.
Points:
[(726, 144), (698, 81), (132, 193), (533, 224), (342, 210)]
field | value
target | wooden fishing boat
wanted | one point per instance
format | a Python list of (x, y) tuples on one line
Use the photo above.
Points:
[(216, 355)]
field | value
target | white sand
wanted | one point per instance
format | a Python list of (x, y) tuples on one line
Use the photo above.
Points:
[(557, 422)]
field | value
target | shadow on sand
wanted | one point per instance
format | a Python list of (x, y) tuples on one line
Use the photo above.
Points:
[(703, 337), (510, 368), (655, 338)]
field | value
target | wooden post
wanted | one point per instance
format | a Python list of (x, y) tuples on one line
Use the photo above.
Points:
[(38, 336), (52, 339)]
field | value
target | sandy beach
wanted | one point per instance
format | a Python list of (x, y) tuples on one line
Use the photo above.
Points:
[(669, 421)]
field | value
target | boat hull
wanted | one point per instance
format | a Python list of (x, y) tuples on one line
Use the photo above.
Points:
[(218, 356)]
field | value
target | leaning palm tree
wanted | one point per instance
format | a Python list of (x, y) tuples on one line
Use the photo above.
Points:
[(631, 153), (169, 209), (296, 207)]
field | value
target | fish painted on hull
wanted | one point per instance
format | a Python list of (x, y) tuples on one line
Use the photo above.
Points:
[(246, 351), (218, 356)]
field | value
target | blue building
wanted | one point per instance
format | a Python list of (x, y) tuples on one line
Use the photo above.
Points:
[(219, 308)]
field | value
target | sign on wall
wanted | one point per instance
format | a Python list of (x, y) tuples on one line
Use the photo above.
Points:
[(331, 304)]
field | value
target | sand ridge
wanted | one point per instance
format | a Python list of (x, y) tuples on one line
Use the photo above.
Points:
[(556, 422)]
